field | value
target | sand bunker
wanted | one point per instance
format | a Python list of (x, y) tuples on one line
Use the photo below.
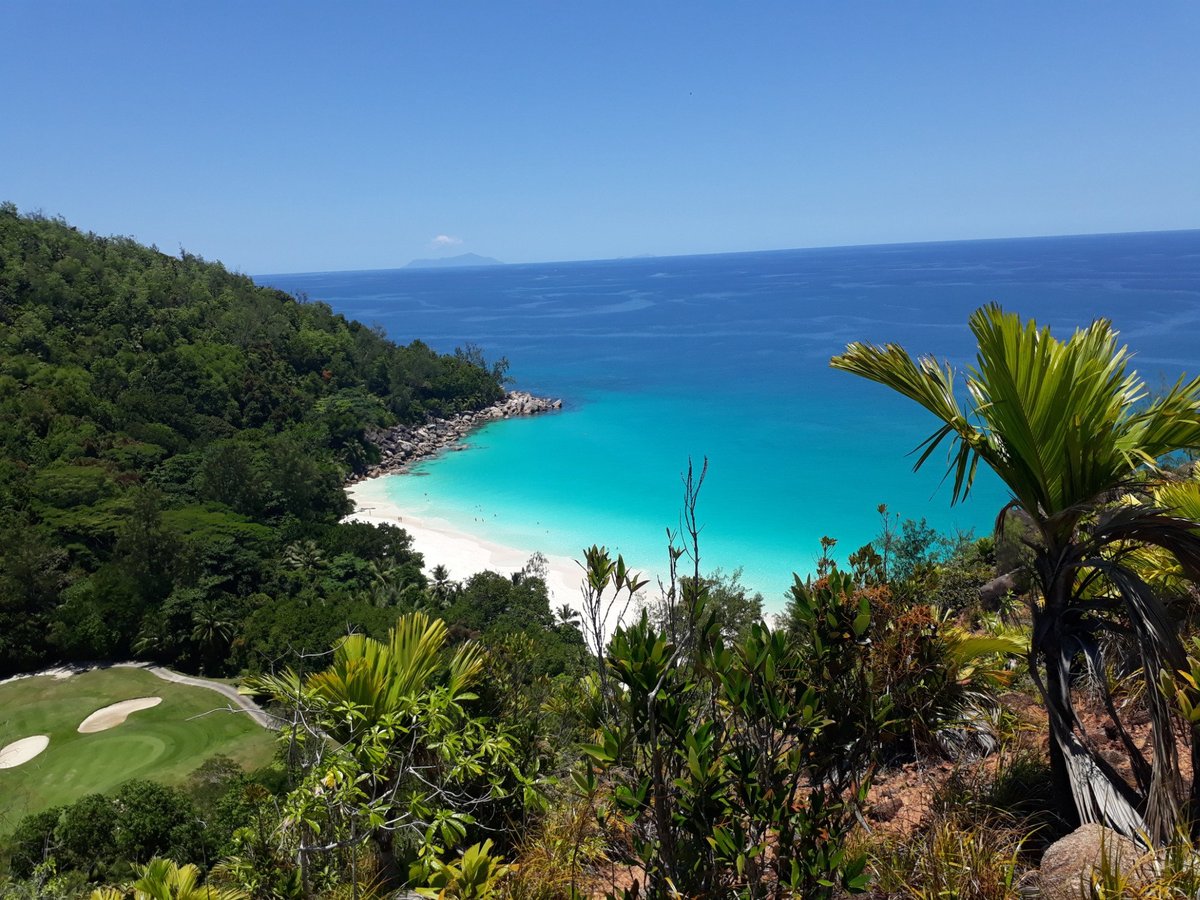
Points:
[(23, 751), (112, 716)]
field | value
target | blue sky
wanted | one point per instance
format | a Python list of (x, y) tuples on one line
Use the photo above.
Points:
[(303, 137)]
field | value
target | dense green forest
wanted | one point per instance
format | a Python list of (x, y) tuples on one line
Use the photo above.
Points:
[(175, 444)]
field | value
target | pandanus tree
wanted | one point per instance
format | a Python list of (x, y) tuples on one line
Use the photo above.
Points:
[(1068, 427), (370, 680), (163, 879), (385, 742)]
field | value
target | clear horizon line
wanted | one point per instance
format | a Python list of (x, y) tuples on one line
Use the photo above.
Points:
[(650, 256)]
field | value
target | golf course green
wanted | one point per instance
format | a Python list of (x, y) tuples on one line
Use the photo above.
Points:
[(164, 743)]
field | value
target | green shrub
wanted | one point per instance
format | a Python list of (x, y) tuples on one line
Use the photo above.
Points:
[(32, 842), (743, 767)]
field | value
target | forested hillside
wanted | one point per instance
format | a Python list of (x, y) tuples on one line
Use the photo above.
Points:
[(174, 441)]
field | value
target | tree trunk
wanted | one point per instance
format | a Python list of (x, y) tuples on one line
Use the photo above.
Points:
[(1083, 783), (1060, 779)]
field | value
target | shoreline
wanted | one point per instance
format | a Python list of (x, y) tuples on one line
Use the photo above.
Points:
[(403, 446), (463, 553)]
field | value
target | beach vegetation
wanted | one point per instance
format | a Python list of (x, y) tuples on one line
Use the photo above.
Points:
[(735, 607)]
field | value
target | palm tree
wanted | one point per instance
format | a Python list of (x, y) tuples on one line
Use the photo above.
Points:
[(163, 879), (387, 584), (443, 590), (212, 628), (304, 556), (568, 615), (154, 638), (380, 678), (1066, 427), (306, 559)]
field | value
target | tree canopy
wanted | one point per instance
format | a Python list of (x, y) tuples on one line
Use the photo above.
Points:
[(169, 430)]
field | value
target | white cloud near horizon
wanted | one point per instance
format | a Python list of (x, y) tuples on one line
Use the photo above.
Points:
[(444, 242)]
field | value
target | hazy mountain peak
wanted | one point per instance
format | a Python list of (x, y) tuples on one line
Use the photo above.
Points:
[(448, 262)]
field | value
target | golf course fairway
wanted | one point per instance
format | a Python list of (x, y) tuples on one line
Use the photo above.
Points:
[(164, 743)]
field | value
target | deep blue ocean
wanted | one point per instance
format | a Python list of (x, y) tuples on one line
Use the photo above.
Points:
[(726, 356)]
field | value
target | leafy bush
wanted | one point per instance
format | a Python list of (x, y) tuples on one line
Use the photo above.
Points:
[(152, 819), (32, 842), (410, 766), (743, 766), (940, 680)]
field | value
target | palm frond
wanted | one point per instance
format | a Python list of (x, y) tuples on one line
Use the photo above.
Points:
[(1161, 650), (1151, 526), (414, 651), (1170, 422), (466, 668), (1057, 420), (283, 687), (369, 679), (930, 384)]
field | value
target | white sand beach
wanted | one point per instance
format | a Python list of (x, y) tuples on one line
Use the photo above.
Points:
[(463, 554)]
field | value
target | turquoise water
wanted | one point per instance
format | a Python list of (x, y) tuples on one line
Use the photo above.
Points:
[(726, 357), (609, 471)]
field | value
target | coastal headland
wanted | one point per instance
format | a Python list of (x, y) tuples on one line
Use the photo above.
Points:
[(403, 446), (440, 542)]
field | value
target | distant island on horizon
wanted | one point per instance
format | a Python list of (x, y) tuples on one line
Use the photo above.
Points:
[(454, 262), (474, 259)]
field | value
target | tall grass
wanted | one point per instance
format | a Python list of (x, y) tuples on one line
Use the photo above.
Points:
[(958, 856), (983, 833)]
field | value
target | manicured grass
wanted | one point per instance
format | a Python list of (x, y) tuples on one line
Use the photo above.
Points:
[(166, 743)]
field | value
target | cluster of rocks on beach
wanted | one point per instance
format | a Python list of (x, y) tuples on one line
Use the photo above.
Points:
[(401, 446)]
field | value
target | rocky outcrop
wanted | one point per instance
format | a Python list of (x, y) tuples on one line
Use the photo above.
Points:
[(994, 591), (402, 446), (1069, 864)]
